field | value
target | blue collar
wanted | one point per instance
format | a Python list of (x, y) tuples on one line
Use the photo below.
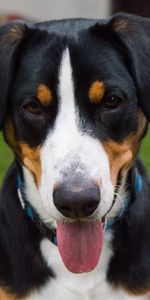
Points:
[(30, 212), (33, 215)]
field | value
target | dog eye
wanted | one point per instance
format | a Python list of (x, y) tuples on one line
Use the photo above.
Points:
[(33, 108), (112, 102)]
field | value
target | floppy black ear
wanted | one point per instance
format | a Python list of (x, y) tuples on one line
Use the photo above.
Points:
[(134, 34), (11, 36)]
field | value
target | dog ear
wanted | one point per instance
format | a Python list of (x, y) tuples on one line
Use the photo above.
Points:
[(11, 36), (134, 36)]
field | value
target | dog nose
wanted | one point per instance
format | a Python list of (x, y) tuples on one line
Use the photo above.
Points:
[(76, 200)]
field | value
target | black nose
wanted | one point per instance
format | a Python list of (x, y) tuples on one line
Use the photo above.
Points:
[(76, 200)]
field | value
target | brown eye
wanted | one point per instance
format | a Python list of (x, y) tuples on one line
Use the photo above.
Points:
[(112, 102), (33, 108)]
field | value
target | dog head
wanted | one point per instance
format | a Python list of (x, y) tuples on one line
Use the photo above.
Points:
[(74, 108)]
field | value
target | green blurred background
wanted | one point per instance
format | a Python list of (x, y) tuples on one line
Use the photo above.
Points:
[(6, 156)]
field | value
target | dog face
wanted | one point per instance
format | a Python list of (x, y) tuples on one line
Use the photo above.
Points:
[(73, 109)]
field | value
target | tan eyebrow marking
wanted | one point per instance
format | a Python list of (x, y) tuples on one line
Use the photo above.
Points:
[(96, 91), (44, 94)]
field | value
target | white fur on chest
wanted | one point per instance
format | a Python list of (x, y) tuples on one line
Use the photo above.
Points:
[(68, 286)]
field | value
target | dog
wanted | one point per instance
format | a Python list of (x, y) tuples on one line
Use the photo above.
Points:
[(75, 204)]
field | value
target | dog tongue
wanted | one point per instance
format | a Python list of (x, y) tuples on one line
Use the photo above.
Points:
[(80, 244)]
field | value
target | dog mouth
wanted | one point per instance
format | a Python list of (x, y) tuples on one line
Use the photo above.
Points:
[(80, 244), (79, 241)]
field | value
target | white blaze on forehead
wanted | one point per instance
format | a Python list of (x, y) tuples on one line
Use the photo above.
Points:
[(65, 127), (67, 145), (66, 89)]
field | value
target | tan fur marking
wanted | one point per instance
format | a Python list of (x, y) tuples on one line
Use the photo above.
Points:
[(30, 157), (139, 293), (10, 136), (6, 296), (121, 155), (31, 160), (121, 25), (96, 91), (44, 94)]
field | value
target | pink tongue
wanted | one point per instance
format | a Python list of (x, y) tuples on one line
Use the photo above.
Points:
[(80, 244)]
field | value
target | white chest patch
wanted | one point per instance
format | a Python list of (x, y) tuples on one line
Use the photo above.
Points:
[(88, 286)]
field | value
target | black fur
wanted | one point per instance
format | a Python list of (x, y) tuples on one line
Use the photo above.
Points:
[(19, 244), (129, 266)]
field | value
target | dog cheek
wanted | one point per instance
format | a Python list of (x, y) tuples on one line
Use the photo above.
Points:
[(122, 163), (31, 160), (30, 157), (10, 137), (120, 156), (6, 296)]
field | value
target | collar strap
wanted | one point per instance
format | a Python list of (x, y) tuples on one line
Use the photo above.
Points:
[(33, 215), (138, 182), (49, 232)]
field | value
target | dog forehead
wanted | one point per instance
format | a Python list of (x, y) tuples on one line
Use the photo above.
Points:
[(42, 52), (90, 67), (92, 58)]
